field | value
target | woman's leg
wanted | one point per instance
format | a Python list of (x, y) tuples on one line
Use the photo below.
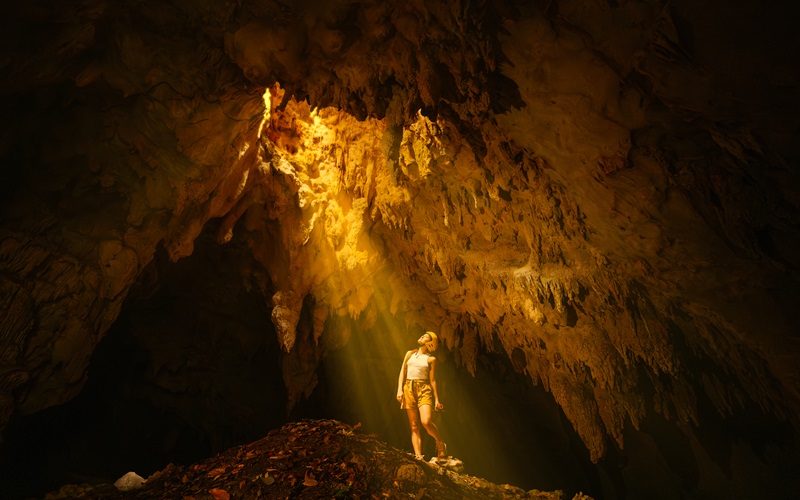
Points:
[(427, 422), (416, 437)]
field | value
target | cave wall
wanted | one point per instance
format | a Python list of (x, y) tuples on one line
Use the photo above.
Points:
[(122, 141), (603, 192)]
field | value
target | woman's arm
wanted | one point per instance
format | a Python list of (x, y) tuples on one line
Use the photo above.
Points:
[(402, 377), (438, 405)]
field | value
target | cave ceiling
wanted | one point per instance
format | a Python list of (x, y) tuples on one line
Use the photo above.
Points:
[(604, 192)]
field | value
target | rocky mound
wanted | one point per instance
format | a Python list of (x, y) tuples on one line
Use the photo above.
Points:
[(308, 459)]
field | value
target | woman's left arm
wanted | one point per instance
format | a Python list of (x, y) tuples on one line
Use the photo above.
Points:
[(437, 403)]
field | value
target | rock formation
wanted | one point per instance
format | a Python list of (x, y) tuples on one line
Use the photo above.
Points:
[(605, 193)]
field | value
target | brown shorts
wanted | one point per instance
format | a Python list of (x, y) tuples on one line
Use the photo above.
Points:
[(417, 393)]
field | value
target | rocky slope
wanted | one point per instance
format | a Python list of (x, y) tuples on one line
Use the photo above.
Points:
[(310, 459)]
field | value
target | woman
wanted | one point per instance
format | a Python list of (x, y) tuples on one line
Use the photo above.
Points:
[(417, 392)]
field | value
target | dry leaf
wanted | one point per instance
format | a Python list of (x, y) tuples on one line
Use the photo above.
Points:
[(219, 494), (309, 480), (216, 472)]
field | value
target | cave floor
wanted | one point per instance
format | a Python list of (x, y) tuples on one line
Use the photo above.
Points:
[(309, 459)]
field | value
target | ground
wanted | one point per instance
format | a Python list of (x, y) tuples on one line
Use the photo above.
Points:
[(310, 459)]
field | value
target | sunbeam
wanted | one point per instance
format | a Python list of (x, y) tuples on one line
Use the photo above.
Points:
[(325, 152)]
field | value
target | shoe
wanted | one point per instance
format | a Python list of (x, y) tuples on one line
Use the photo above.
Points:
[(441, 449)]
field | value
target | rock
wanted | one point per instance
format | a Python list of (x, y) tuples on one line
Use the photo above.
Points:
[(410, 473), (129, 482), (451, 463)]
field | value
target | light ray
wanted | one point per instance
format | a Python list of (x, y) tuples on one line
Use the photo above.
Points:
[(337, 163)]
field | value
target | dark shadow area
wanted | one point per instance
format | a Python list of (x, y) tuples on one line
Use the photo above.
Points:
[(190, 367)]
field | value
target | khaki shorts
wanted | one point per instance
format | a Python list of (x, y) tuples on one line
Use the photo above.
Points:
[(417, 393)]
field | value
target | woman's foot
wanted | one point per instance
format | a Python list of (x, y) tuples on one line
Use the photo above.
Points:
[(441, 449)]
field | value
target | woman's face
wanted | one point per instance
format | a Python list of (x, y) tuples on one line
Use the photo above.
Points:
[(427, 341)]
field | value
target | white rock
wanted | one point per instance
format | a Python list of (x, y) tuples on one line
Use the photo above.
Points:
[(130, 481)]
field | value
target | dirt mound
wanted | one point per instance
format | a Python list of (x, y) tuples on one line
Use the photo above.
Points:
[(309, 459)]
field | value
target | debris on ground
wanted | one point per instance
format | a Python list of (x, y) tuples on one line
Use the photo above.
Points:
[(449, 463), (311, 459)]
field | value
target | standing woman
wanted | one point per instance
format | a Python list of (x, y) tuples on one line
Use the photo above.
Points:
[(417, 392)]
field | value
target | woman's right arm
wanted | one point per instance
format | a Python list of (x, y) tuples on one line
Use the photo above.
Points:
[(402, 377)]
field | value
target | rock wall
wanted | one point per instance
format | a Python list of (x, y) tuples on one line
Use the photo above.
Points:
[(606, 192), (125, 140)]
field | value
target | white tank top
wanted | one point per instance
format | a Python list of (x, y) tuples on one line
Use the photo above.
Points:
[(417, 367)]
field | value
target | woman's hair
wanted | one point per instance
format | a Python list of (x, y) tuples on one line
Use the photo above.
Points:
[(434, 341)]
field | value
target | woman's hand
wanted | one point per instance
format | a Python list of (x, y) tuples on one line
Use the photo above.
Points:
[(439, 405), (399, 396)]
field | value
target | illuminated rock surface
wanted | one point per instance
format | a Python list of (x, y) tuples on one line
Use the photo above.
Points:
[(604, 194)]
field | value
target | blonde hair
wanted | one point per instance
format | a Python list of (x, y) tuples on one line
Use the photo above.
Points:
[(434, 340)]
